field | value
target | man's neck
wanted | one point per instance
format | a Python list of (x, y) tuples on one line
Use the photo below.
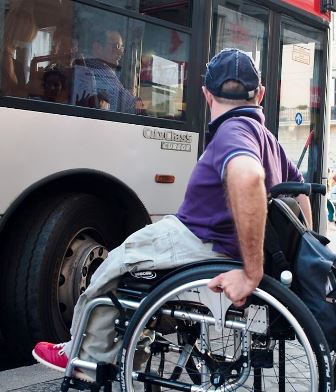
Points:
[(220, 109)]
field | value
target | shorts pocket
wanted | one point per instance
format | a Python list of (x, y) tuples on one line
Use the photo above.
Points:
[(149, 254)]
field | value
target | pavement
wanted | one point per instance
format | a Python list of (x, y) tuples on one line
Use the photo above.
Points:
[(38, 378), (35, 378)]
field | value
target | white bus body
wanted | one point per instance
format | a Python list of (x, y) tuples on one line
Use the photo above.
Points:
[(134, 154)]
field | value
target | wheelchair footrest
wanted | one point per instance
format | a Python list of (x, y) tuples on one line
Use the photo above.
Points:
[(73, 383), (105, 374)]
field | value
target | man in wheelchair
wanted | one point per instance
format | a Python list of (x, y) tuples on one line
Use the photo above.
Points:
[(223, 215)]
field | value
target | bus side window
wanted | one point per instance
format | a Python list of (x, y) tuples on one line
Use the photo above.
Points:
[(163, 75), (138, 66), (86, 56)]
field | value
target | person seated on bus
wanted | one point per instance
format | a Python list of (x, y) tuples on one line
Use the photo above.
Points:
[(54, 83), (16, 40), (50, 82), (107, 50), (223, 212)]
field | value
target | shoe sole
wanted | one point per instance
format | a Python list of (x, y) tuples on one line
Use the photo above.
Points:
[(77, 373)]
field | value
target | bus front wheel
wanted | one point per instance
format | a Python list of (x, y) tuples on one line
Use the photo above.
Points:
[(51, 255)]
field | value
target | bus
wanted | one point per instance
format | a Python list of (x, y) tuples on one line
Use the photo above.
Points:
[(102, 120)]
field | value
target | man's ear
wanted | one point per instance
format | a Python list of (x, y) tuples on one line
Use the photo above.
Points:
[(208, 96), (261, 94)]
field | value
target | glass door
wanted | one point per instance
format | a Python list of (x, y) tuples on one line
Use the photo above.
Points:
[(290, 55), (299, 106), (243, 25)]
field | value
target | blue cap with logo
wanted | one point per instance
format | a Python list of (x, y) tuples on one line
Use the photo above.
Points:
[(232, 65)]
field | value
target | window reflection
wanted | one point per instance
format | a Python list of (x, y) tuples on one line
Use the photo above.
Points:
[(299, 106), (71, 53), (163, 72), (19, 33), (242, 25)]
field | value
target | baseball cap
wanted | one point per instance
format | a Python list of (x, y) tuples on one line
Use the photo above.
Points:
[(232, 64)]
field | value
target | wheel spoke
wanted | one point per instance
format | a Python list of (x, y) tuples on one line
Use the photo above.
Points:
[(232, 358)]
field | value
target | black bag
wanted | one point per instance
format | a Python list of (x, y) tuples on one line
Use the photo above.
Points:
[(290, 246)]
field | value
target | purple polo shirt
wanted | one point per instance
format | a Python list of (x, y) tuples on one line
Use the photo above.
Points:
[(205, 211)]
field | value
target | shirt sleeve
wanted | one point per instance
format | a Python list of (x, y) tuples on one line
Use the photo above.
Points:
[(231, 140)]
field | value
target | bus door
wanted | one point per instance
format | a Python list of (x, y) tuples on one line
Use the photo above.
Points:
[(300, 127), (243, 25), (289, 54)]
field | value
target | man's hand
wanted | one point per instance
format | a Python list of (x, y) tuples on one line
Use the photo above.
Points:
[(235, 284), (87, 100)]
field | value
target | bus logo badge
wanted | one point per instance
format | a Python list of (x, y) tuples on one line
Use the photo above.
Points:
[(170, 140), (175, 146)]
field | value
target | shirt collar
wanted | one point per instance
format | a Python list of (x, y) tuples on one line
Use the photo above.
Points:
[(254, 112)]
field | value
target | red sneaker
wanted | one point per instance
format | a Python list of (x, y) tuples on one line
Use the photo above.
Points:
[(51, 355)]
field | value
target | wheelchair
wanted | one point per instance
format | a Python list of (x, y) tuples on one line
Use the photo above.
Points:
[(201, 342)]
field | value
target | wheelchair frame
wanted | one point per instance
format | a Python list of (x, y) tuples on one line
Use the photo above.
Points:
[(310, 336), (272, 300)]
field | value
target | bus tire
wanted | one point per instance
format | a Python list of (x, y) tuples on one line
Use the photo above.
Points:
[(53, 244)]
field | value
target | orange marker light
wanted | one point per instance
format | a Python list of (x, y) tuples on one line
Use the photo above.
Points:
[(164, 179)]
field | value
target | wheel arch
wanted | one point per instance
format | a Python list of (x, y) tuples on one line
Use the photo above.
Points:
[(105, 186)]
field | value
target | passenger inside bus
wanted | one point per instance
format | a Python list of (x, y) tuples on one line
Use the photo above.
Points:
[(56, 52), (100, 75), (16, 40), (53, 82)]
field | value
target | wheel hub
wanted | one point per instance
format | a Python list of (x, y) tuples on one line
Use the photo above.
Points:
[(82, 257), (217, 379)]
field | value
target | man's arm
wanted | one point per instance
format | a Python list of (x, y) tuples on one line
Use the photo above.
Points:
[(247, 197), (304, 203)]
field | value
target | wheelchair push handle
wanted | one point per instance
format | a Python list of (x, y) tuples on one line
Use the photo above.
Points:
[(319, 188), (297, 188), (291, 188)]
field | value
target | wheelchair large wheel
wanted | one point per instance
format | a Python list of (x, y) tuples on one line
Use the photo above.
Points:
[(203, 343)]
